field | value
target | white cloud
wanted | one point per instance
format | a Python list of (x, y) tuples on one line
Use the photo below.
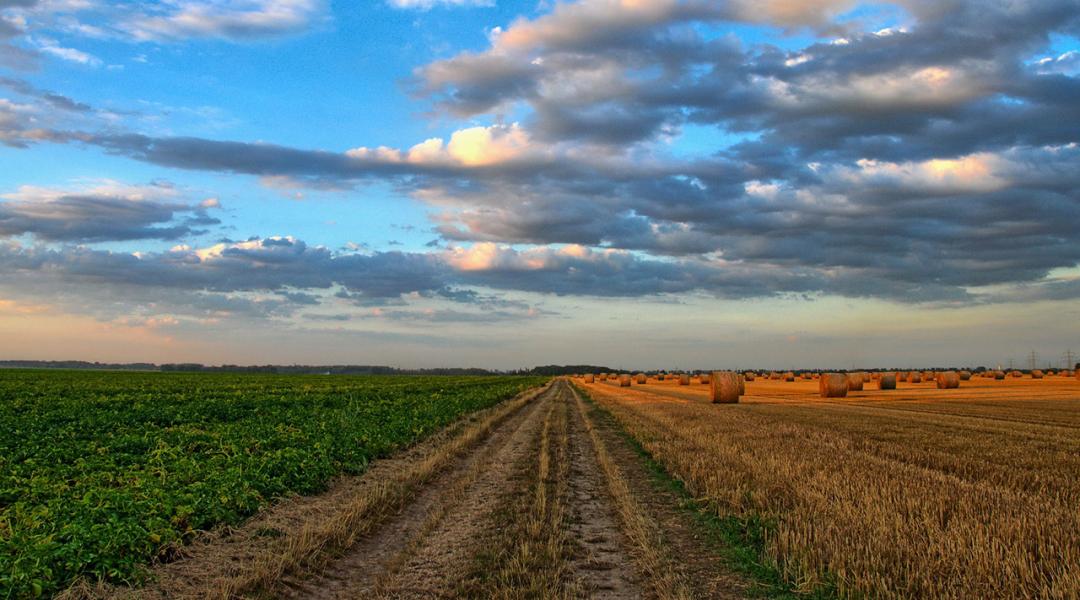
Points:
[(238, 20), (471, 147), (95, 187), (1067, 63), (489, 256), (974, 173), (52, 48)]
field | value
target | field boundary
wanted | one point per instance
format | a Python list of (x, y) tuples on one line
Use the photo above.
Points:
[(318, 538), (310, 547), (738, 542), (639, 527)]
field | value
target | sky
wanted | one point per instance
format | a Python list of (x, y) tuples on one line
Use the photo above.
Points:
[(504, 183)]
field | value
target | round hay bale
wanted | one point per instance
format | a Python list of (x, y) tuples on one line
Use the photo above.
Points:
[(875, 376), (624, 380), (928, 375), (589, 378), (603, 377), (659, 376), (724, 387), (887, 381), (641, 378), (749, 376), (1036, 374), (999, 375), (704, 377), (855, 382), (914, 377), (965, 375), (1017, 374), (684, 379), (833, 385), (947, 380), (789, 376)]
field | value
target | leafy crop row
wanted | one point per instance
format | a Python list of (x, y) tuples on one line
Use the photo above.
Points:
[(100, 473)]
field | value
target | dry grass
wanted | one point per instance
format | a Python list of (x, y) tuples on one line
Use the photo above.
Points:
[(310, 545), (643, 532), (532, 562), (907, 493)]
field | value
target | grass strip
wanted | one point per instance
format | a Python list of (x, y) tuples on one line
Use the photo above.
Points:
[(739, 541)]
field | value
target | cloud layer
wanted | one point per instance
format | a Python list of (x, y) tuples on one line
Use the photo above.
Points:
[(916, 152)]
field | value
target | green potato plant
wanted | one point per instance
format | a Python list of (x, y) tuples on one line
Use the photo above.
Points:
[(103, 473)]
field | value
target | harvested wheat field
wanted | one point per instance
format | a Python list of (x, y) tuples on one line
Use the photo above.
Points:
[(916, 492)]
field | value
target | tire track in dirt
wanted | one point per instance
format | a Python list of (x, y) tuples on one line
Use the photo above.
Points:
[(602, 564), (669, 543), (552, 505), (414, 553)]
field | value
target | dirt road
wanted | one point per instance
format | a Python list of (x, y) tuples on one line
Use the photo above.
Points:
[(548, 505)]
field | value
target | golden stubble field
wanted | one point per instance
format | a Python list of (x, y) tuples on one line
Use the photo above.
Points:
[(915, 492)]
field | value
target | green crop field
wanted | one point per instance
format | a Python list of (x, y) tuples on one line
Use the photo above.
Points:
[(100, 473)]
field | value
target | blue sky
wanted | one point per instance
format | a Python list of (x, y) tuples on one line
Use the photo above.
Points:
[(431, 183)]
